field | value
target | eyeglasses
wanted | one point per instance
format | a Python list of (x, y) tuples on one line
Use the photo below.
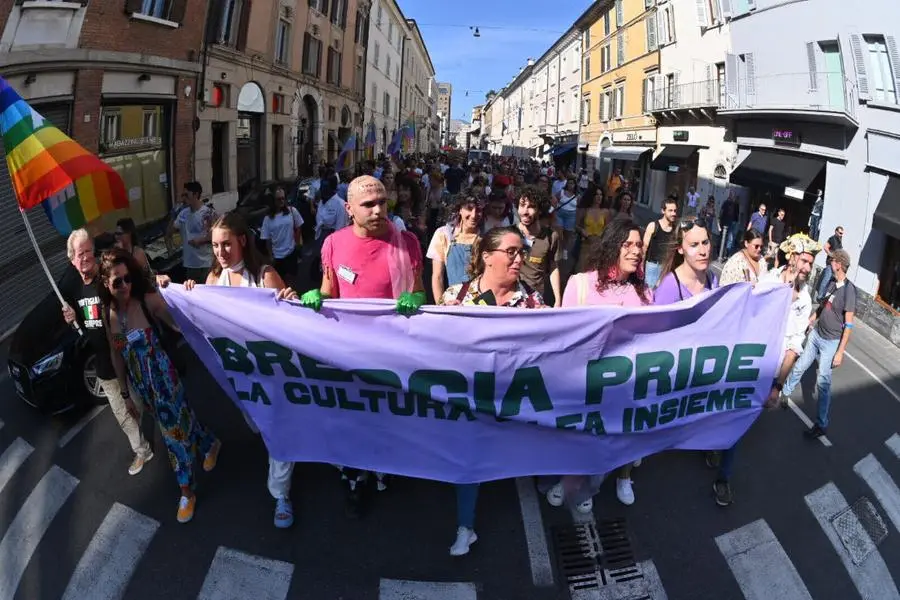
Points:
[(639, 245), (120, 282), (512, 253)]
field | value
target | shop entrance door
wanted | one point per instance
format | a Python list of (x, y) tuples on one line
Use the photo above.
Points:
[(247, 149)]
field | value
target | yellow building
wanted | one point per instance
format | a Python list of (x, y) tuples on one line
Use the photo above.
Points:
[(620, 57)]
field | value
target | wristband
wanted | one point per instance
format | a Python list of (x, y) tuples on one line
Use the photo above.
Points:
[(776, 385), (848, 325), (125, 394)]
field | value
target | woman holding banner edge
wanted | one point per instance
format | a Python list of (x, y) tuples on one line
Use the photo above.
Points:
[(497, 259), (239, 264)]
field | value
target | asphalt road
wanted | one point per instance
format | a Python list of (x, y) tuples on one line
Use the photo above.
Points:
[(74, 524)]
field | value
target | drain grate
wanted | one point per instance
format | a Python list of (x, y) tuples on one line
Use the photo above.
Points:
[(593, 556), (860, 528)]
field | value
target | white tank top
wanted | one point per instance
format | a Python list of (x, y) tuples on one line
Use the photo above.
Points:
[(251, 282)]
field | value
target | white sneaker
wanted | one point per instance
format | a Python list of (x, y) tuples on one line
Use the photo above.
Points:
[(137, 465), (624, 491), (586, 507), (465, 537), (556, 495)]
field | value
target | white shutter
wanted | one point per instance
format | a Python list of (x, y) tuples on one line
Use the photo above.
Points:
[(859, 61), (620, 49), (703, 17), (620, 13), (710, 84), (894, 56), (670, 18), (661, 28), (727, 9), (676, 91), (652, 39), (813, 70), (715, 15), (645, 96), (750, 70), (731, 80)]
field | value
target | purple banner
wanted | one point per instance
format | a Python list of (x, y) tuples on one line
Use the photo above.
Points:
[(463, 394)]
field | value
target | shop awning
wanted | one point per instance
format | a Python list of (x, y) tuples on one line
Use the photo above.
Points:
[(563, 148), (624, 152), (673, 154), (887, 216), (793, 172)]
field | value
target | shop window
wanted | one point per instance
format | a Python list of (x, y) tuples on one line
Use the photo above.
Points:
[(151, 123), (111, 127), (889, 280), (277, 151)]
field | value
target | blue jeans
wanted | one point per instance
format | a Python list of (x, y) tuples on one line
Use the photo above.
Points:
[(827, 275), (466, 498), (822, 351), (651, 276), (726, 467), (730, 232)]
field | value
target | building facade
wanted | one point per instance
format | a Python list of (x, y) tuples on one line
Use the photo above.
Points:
[(283, 90), (119, 78), (417, 94), (555, 105), (444, 108), (621, 54), (818, 113), (387, 30), (517, 133), (684, 98)]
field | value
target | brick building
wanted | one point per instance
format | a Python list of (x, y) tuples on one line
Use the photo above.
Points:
[(120, 77)]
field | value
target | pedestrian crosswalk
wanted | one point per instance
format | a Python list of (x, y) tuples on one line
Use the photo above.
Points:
[(119, 548)]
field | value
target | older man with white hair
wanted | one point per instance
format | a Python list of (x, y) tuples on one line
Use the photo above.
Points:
[(83, 306)]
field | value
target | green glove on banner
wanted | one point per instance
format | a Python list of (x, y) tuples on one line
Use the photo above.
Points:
[(313, 299), (410, 302)]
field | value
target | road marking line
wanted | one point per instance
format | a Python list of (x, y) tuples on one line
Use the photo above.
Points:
[(535, 536), (872, 578), (759, 563), (112, 556), (802, 416), (892, 393), (400, 589), (235, 575), (882, 485), (893, 444), (12, 459), (81, 424), (30, 525)]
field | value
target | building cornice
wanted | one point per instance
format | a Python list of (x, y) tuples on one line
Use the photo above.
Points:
[(13, 63)]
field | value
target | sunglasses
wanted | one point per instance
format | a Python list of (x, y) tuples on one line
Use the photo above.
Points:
[(512, 253), (120, 282)]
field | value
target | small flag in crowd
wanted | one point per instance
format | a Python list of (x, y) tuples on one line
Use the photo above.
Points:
[(393, 148), (370, 142), (409, 133), (46, 166), (345, 158)]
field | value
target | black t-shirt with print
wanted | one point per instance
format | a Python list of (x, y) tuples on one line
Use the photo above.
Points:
[(836, 243), (778, 230), (85, 301)]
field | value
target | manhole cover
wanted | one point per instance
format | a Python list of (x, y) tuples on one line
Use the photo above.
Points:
[(596, 557), (860, 528)]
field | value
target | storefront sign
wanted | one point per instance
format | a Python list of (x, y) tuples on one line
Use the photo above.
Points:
[(640, 136), (137, 142), (680, 135), (786, 137)]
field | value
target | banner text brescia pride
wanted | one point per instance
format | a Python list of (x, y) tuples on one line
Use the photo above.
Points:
[(464, 394)]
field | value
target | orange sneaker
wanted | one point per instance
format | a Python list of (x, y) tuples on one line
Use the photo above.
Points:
[(209, 461), (186, 508)]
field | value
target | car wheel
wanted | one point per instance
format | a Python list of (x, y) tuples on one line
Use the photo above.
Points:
[(91, 382)]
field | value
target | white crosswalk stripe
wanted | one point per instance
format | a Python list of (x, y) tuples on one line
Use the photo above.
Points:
[(31, 522), (400, 589), (112, 556), (871, 578), (236, 575), (882, 485), (893, 444), (759, 563), (12, 458)]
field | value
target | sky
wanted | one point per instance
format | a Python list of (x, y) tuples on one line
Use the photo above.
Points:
[(511, 32)]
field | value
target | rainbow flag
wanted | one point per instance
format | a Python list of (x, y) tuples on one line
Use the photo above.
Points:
[(393, 148), (46, 166), (370, 142), (345, 158), (409, 133)]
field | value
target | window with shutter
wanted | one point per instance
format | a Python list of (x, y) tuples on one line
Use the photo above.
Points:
[(811, 61), (661, 29), (620, 49), (676, 91), (703, 13), (243, 25), (710, 85), (651, 32), (894, 56), (859, 62), (731, 80), (750, 71), (620, 13)]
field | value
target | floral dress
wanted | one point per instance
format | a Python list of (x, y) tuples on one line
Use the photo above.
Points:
[(153, 376)]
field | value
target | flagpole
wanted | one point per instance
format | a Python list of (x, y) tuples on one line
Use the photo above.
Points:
[(49, 275)]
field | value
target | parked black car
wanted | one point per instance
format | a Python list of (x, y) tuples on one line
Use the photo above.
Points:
[(51, 366)]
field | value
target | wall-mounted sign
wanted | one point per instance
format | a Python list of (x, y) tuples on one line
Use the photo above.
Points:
[(786, 137), (680, 135), (638, 136)]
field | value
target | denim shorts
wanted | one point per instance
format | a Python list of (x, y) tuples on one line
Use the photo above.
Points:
[(566, 219)]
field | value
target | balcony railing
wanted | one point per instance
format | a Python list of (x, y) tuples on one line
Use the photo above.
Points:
[(697, 94), (791, 92)]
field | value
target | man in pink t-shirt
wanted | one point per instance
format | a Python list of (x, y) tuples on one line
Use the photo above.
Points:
[(369, 259)]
